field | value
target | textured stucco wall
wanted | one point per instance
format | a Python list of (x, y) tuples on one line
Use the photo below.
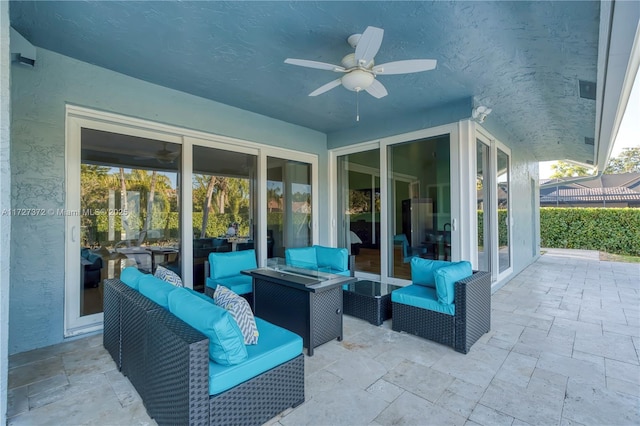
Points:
[(5, 203), (38, 144), (525, 210)]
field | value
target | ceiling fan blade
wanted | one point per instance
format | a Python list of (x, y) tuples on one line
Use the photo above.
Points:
[(377, 90), (320, 90), (314, 64), (405, 67), (368, 45)]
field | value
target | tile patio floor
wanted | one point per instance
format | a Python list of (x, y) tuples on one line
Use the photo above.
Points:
[(563, 350)]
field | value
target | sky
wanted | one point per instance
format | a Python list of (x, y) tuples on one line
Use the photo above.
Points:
[(628, 134)]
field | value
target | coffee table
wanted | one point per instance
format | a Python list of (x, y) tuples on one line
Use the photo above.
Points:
[(368, 300)]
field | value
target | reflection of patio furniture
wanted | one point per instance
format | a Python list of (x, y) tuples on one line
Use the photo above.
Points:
[(225, 269), (91, 264), (446, 240), (138, 257), (368, 300), (407, 251), (445, 303)]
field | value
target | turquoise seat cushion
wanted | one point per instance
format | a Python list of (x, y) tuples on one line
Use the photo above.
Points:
[(335, 258), (447, 276), (276, 345), (302, 257), (131, 277), (422, 297), (156, 289), (422, 271), (223, 265), (226, 344), (239, 284)]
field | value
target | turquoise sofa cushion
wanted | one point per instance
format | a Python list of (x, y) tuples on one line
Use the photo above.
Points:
[(335, 258), (422, 271), (156, 289), (276, 345), (447, 276), (301, 257), (226, 344), (223, 265), (131, 277), (239, 284), (422, 297), (200, 295)]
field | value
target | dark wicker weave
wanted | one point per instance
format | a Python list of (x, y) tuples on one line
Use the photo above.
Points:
[(111, 334), (258, 400), (315, 316), (471, 320), (169, 367), (376, 310), (134, 311)]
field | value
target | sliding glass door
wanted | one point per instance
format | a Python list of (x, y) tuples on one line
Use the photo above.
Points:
[(289, 205), (358, 215), (224, 203), (419, 203), (483, 205)]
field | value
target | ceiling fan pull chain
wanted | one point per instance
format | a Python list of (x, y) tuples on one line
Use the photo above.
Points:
[(357, 106)]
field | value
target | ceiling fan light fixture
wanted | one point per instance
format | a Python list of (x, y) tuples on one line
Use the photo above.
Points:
[(357, 80)]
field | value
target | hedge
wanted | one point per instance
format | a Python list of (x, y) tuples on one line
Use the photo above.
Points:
[(613, 230)]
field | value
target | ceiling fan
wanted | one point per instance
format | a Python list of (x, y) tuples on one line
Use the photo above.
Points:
[(359, 70), (163, 156)]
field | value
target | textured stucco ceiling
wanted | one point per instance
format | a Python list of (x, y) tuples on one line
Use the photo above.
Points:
[(523, 59)]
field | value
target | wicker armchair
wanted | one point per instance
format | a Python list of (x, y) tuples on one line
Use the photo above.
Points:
[(472, 316)]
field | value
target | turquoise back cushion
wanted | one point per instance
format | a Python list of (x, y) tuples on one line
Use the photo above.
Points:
[(131, 277), (156, 289), (302, 257), (447, 276), (224, 265), (335, 258), (226, 344), (422, 271)]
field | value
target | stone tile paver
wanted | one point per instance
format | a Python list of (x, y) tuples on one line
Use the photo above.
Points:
[(563, 350)]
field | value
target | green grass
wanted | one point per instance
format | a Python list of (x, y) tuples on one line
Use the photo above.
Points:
[(610, 257)]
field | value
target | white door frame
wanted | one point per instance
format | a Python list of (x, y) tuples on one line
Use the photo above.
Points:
[(77, 117), (454, 145)]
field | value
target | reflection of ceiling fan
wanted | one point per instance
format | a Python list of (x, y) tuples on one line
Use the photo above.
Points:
[(359, 70), (164, 155)]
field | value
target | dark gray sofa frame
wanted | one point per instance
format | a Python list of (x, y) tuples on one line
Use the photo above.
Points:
[(471, 320), (167, 361)]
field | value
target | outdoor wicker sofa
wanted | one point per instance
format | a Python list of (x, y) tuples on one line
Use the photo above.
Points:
[(167, 361), (459, 324)]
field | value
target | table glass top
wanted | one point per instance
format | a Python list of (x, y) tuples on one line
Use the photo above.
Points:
[(371, 288)]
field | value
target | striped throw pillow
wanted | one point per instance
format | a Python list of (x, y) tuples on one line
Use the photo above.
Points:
[(240, 310), (168, 275)]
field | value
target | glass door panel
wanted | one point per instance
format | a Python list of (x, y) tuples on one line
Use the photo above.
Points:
[(483, 204), (359, 208), (128, 209), (419, 203), (502, 180), (289, 220), (223, 206)]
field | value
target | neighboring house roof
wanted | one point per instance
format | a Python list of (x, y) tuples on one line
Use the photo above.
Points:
[(620, 188)]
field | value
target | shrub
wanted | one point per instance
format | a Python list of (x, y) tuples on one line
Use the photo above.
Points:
[(614, 230)]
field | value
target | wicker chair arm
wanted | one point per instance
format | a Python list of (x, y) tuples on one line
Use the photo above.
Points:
[(473, 309), (352, 264), (177, 371)]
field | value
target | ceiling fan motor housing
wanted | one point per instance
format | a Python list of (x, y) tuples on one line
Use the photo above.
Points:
[(357, 80)]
